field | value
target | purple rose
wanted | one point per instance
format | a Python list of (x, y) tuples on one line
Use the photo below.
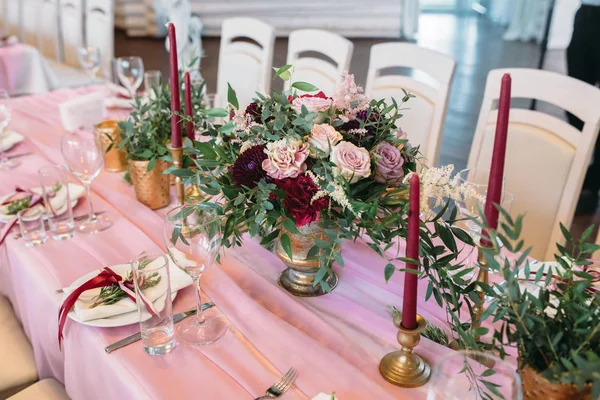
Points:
[(388, 164)]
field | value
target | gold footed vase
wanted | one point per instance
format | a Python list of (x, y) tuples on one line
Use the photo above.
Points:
[(537, 387), (151, 188), (299, 277)]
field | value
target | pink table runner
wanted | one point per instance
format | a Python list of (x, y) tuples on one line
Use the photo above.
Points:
[(23, 70), (335, 341)]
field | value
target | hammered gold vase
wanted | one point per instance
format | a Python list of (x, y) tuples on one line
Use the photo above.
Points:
[(151, 188), (108, 133), (299, 277), (537, 387)]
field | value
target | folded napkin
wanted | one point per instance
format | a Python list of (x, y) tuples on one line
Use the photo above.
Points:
[(179, 280), (83, 111), (57, 203), (9, 139), (323, 396), (118, 97)]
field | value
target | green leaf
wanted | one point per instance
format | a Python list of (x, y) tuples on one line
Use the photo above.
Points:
[(151, 164), (232, 97), (313, 252), (488, 372), (287, 245), (338, 258), (216, 112), (389, 271), (290, 226), (305, 87), (283, 72), (320, 275)]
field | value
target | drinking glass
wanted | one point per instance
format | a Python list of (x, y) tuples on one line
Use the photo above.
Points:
[(89, 59), (5, 114), (59, 210), (130, 71), (31, 223), (151, 277), (84, 157), (152, 82), (472, 375), (193, 240)]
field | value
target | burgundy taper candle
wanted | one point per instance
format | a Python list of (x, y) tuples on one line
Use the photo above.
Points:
[(189, 110), (409, 304), (175, 101), (496, 180)]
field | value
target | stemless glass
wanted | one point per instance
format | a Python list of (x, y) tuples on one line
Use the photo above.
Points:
[(130, 71), (152, 82), (31, 224), (59, 210), (5, 115), (83, 155), (150, 273), (89, 59), (193, 240), (472, 375)]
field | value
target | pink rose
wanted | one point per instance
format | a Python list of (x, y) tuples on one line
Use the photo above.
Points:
[(352, 162), (388, 164), (323, 137), (400, 134), (313, 103), (285, 158)]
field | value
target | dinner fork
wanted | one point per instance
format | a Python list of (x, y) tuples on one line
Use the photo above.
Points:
[(281, 386)]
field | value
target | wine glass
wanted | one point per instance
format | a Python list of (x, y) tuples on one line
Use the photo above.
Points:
[(130, 71), (84, 157), (466, 375), (152, 82), (5, 115), (89, 59), (193, 240)]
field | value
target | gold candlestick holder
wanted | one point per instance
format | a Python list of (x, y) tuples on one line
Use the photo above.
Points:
[(177, 154), (483, 277), (404, 367)]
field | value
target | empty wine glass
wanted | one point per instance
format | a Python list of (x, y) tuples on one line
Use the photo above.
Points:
[(130, 71), (193, 240), (83, 155), (5, 115), (89, 59), (152, 82)]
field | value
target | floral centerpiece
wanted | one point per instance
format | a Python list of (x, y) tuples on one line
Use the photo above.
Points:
[(306, 172)]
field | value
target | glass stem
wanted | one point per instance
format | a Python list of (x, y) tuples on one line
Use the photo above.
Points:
[(3, 159), (199, 313), (92, 214)]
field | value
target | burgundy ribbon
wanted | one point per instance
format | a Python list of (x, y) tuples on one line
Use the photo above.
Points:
[(107, 277)]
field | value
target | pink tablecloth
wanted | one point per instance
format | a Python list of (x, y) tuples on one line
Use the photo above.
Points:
[(23, 70), (335, 341)]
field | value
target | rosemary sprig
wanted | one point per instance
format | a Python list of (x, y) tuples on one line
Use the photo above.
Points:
[(18, 205), (112, 294)]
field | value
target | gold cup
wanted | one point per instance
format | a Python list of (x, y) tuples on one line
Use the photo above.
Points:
[(404, 367), (108, 133), (151, 188)]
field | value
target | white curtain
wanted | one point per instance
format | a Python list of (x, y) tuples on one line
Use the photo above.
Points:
[(526, 18)]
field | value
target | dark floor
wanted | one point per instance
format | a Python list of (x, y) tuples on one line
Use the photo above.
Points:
[(474, 41)]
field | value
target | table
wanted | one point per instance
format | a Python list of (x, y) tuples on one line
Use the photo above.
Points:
[(335, 341), (23, 70)]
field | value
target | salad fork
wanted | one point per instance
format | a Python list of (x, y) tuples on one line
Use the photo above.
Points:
[(281, 386)]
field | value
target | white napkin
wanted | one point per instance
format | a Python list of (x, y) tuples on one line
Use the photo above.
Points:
[(179, 280), (83, 111), (58, 202), (9, 139), (323, 396), (113, 100)]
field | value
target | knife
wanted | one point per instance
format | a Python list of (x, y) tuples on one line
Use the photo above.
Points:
[(138, 336), (47, 227), (19, 155)]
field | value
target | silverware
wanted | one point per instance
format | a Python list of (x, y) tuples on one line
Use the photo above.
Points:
[(281, 386), (47, 227), (138, 336), (19, 155)]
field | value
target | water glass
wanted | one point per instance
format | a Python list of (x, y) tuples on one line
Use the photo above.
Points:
[(152, 82), (130, 71), (473, 375), (59, 209), (89, 59), (31, 223), (150, 274)]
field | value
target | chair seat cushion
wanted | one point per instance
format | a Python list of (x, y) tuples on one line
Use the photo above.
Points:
[(69, 77), (46, 389), (17, 364)]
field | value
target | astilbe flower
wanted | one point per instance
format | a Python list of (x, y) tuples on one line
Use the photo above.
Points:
[(247, 169), (353, 125), (300, 201)]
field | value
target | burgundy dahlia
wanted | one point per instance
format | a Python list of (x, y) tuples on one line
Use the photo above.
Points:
[(297, 202), (255, 111), (247, 169)]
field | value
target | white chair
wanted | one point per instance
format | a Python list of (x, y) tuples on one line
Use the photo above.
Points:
[(48, 36), (326, 75), (46, 389), (99, 31), (17, 363), (424, 121), (71, 30), (546, 158), (244, 65), (32, 14), (14, 17)]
